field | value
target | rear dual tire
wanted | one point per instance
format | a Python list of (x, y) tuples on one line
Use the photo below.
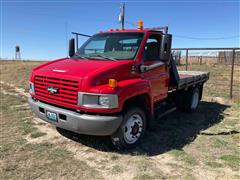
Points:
[(188, 101), (193, 100)]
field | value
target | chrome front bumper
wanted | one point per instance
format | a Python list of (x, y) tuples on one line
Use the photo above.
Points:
[(76, 122)]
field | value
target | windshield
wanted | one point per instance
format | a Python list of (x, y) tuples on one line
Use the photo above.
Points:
[(111, 46)]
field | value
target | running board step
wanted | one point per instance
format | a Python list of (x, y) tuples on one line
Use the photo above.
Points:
[(164, 109)]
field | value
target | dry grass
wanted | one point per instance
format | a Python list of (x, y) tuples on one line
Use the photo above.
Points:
[(20, 159), (181, 146), (17, 72)]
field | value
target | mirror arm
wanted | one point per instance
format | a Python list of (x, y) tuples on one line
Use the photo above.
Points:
[(144, 68)]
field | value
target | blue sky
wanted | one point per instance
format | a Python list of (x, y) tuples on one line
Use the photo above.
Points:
[(39, 27)]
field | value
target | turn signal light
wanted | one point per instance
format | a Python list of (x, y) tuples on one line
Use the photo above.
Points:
[(112, 83), (140, 24)]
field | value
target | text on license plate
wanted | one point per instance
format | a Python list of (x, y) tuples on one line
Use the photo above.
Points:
[(51, 116)]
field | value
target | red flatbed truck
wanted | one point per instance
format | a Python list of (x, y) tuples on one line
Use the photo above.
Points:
[(112, 85)]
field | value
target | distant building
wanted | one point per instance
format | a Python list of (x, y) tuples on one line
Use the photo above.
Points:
[(226, 57)]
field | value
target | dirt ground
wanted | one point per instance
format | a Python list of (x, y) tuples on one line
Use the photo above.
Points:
[(202, 145)]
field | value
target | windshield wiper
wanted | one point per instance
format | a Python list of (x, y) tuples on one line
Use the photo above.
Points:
[(104, 57), (81, 57)]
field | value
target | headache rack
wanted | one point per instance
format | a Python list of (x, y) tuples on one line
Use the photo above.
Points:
[(163, 29), (79, 34)]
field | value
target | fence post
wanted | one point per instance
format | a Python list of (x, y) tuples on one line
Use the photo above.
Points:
[(231, 83), (186, 59)]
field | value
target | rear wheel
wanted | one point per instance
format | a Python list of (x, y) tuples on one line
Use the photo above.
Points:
[(192, 100), (131, 130), (187, 100)]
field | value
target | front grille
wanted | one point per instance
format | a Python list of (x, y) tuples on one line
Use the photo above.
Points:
[(67, 90)]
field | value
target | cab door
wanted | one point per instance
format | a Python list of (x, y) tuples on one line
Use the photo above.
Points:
[(153, 69)]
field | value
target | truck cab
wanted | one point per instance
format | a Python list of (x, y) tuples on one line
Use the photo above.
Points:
[(112, 85)]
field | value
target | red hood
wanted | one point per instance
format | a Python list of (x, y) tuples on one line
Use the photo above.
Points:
[(72, 67), (89, 74)]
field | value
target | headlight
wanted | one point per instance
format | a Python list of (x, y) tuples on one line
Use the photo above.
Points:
[(92, 100), (31, 88), (104, 100)]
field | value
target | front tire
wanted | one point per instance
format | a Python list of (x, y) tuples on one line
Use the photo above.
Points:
[(132, 129)]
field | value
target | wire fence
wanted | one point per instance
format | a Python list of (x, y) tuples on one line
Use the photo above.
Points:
[(222, 63)]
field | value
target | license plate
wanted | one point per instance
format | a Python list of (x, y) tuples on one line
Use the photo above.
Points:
[(51, 116)]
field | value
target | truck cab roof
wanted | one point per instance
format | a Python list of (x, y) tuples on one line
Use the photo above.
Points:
[(146, 30)]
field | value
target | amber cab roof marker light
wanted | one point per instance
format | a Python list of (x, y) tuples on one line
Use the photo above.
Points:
[(140, 24)]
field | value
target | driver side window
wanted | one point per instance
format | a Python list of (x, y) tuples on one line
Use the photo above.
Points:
[(152, 48)]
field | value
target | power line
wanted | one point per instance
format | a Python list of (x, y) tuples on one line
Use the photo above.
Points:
[(189, 37), (131, 23), (198, 38)]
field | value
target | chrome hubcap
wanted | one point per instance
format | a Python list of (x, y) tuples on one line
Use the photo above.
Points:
[(133, 128)]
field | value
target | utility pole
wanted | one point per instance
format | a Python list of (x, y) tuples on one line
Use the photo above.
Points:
[(122, 15)]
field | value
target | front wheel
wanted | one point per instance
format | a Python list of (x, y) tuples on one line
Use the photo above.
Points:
[(131, 130)]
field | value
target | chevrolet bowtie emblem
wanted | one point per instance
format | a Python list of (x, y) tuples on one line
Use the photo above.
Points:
[(52, 90)]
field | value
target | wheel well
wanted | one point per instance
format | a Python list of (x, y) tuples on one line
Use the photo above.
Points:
[(142, 101)]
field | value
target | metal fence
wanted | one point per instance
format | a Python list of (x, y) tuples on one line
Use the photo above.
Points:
[(222, 63)]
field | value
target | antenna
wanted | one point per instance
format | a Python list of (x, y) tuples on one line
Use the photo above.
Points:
[(66, 33), (122, 14)]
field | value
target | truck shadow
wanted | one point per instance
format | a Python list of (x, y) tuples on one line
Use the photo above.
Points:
[(173, 131)]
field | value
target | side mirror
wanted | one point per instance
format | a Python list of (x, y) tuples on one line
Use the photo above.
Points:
[(71, 47), (165, 49)]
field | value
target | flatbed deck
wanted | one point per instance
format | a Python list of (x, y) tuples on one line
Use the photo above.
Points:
[(191, 78), (185, 79)]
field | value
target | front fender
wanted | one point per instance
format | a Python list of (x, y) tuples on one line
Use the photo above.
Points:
[(131, 88), (125, 90)]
